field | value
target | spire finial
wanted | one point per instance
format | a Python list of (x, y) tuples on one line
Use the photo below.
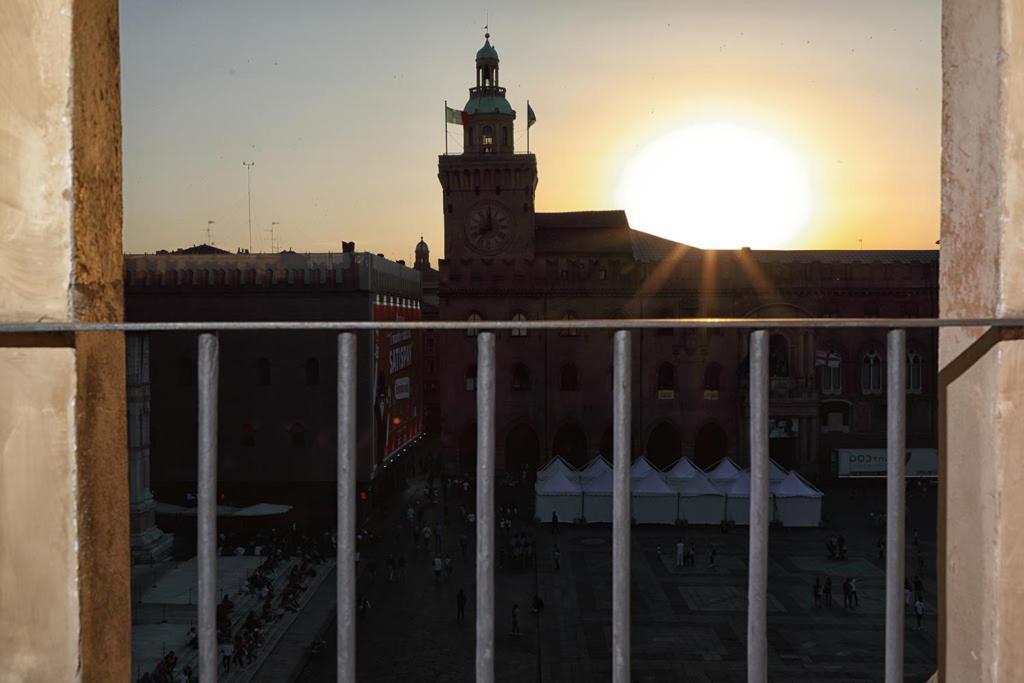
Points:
[(487, 24)]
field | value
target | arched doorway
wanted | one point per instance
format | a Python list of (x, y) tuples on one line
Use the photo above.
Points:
[(467, 449), (571, 444), (710, 446), (522, 450), (663, 445)]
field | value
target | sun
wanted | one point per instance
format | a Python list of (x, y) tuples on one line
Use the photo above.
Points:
[(718, 186)]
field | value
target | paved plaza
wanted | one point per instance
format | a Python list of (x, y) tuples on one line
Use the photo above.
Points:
[(687, 623)]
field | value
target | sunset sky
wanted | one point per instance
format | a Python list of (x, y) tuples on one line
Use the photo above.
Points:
[(340, 105)]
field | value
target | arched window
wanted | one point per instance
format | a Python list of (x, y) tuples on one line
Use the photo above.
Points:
[(569, 331), (570, 380), (248, 435), (915, 372), (831, 363), (666, 376), (298, 435), (472, 331), (263, 372), (187, 372), (712, 377), (471, 378), (312, 371), (520, 377), (519, 331), (778, 356), (871, 373)]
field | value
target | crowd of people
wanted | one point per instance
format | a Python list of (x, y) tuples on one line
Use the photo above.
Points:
[(239, 640)]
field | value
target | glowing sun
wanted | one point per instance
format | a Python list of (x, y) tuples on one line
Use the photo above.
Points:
[(718, 185)]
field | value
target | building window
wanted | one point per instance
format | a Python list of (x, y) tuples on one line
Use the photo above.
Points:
[(298, 435), (569, 331), (713, 377), (187, 372), (778, 356), (263, 372), (831, 363), (471, 378), (248, 436), (666, 376), (520, 378), (570, 380), (915, 373), (504, 136), (519, 331), (487, 138), (472, 331), (871, 373), (312, 371)]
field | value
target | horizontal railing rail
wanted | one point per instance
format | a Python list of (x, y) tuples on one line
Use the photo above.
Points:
[(498, 325), (759, 398)]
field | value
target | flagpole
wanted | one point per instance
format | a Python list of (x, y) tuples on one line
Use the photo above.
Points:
[(527, 126), (446, 127)]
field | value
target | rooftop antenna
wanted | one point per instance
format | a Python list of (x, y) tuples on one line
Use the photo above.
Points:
[(248, 185), (487, 24), (209, 232), (273, 239)]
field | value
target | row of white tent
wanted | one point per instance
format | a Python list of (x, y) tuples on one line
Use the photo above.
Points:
[(681, 492)]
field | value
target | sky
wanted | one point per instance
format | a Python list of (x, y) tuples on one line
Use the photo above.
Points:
[(340, 106)]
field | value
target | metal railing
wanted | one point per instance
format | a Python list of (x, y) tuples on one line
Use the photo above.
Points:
[(757, 659)]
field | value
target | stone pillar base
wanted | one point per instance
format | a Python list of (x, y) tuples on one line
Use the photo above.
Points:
[(151, 546)]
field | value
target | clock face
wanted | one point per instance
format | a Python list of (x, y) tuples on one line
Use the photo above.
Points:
[(489, 227)]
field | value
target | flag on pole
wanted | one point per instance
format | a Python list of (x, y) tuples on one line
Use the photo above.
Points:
[(455, 116), (531, 118)]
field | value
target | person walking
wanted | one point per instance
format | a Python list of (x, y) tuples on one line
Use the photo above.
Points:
[(556, 555), (847, 601), (828, 591), (427, 533), (854, 600), (448, 567), (680, 553), (437, 568), (515, 620), (919, 612), (554, 522), (460, 607), (711, 555), (817, 591)]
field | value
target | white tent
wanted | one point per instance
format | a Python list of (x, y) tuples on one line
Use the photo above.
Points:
[(737, 503), (776, 472), (597, 497), (556, 466), (682, 469), (641, 467), (595, 468), (797, 503), (724, 472), (700, 501), (654, 501), (558, 493)]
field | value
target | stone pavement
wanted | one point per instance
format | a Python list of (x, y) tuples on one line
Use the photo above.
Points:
[(687, 624)]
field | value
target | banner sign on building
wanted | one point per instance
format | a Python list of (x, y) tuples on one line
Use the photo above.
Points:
[(398, 399), (873, 462)]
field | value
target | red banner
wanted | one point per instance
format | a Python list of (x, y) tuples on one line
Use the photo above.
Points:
[(398, 387)]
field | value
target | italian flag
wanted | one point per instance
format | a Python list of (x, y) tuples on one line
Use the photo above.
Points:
[(455, 116)]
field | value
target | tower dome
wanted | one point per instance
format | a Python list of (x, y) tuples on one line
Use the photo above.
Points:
[(422, 255), (487, 51)]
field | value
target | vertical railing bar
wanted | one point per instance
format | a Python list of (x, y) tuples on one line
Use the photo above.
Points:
[(621, 519), (485, 508), (208, 372), (346, 543), (895, 525), (757, 578)]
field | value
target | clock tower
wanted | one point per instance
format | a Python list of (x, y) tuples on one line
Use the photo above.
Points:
[(488, 190)]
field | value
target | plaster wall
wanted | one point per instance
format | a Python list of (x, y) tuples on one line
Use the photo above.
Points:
[(982, 274)]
